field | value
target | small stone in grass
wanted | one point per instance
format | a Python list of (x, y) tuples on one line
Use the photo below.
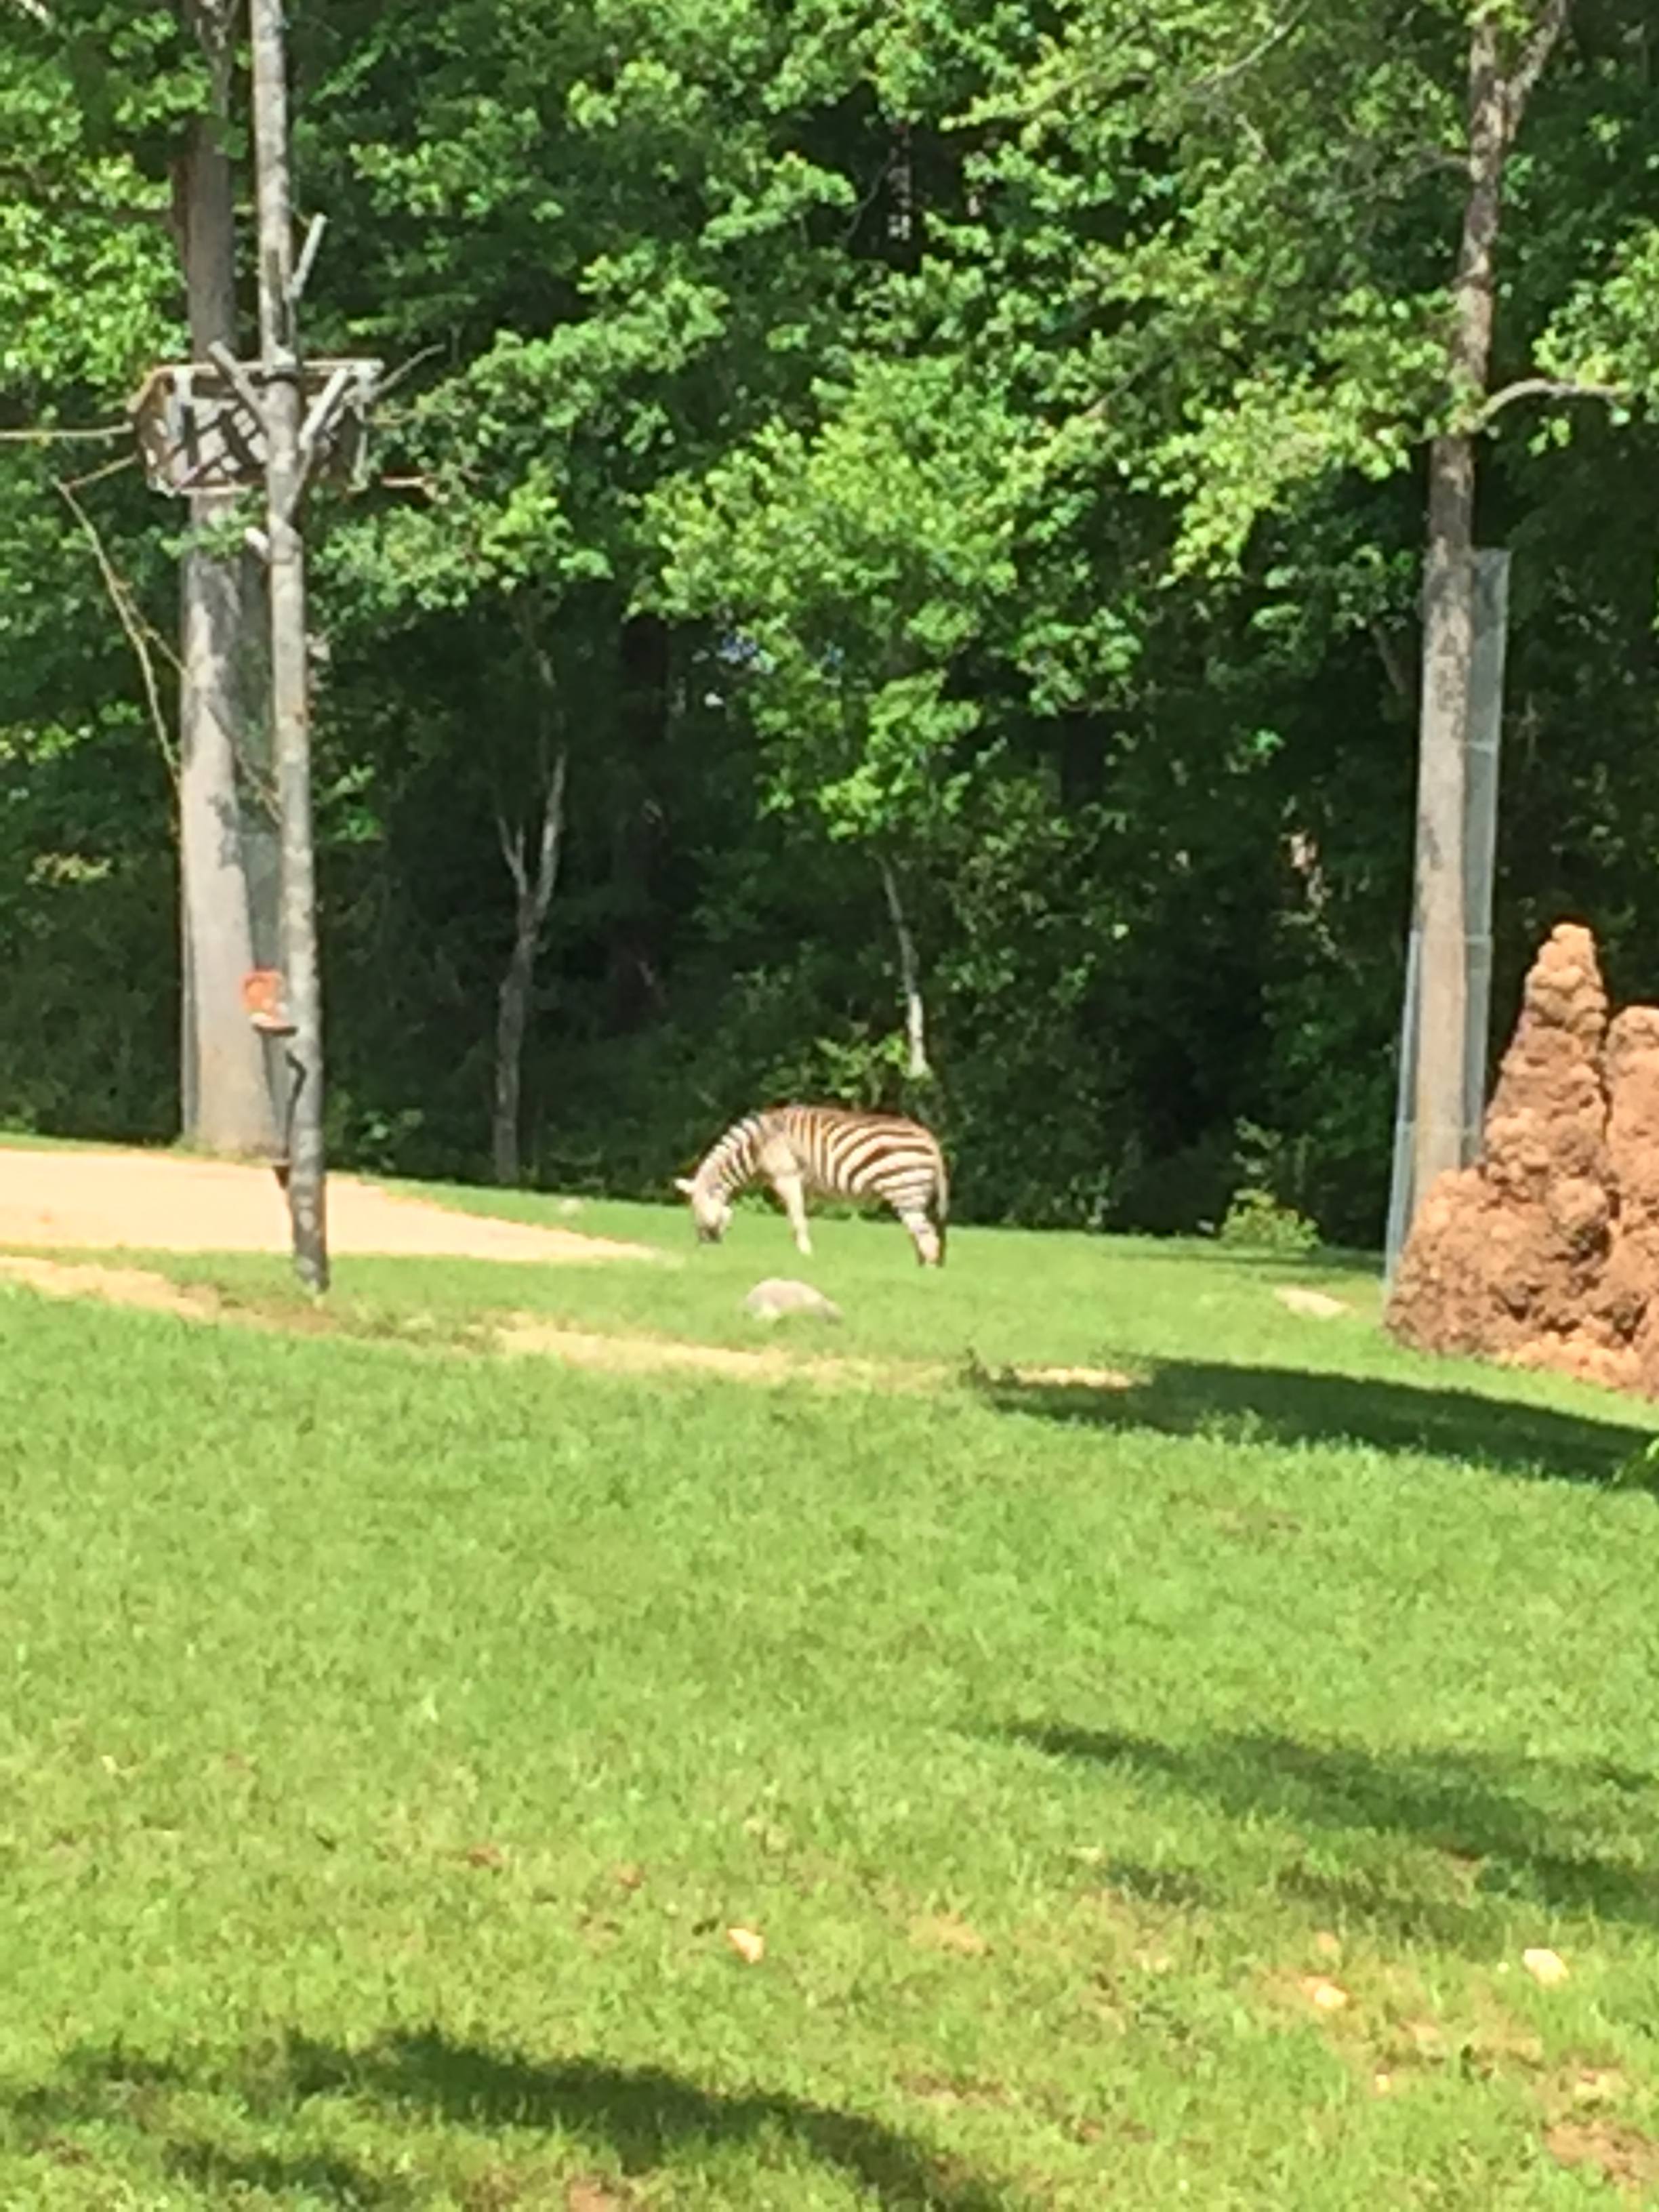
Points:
[(1327, 1995), (1546, 1967), (778, 1296)]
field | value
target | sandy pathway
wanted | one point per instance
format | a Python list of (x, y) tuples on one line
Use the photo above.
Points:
[(164, 1202)]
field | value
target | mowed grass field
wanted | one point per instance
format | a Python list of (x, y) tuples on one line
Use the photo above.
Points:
[(1144, 1796)]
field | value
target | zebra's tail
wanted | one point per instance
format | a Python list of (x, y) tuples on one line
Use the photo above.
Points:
[(941, 1206)]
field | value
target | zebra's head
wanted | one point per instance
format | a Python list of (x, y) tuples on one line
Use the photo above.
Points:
[(709, 1209)]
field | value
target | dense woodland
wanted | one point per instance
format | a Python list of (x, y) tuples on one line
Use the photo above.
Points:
[(926, 490)]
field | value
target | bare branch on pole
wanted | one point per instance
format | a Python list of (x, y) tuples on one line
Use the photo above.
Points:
[(308, 255), (246, 389), (43, 436), (139, 634)]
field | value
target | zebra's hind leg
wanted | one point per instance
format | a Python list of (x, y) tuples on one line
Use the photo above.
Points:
[(925, 1238)]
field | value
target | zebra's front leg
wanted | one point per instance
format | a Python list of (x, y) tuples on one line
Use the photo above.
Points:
[(790, 1188)]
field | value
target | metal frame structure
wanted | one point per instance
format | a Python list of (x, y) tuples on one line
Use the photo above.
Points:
[(200, 424)]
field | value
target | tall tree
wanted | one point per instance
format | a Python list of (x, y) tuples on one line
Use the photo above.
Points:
[(849, 568), (1500, 84)]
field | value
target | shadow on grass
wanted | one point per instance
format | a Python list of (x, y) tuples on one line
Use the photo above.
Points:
[(1293, 1405), (227, 2177), (1569, 1836), (1323, 1262), (635, 2122)]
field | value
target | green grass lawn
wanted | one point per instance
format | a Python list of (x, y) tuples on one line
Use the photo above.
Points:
[(390, 1738)]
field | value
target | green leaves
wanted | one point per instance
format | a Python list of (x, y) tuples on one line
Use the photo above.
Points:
[(88, 284), (1606, 333), (1001, 422), (858, 562)]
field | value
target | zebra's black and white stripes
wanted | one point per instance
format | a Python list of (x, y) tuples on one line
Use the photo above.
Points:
[(834, 1150)]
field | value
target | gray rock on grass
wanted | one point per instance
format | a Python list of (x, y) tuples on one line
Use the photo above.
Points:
[(778, 1297)]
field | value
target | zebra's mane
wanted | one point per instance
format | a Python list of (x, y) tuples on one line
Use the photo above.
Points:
[(732, 1159)]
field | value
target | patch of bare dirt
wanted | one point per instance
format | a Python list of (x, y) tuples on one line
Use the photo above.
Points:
[(942, 2089), (1315, 1303), (1582, 2087), (1621, 2155), (948, 1931), (1545, 1253), (164, 1202), (115, 1286), (589, 2195), (519, 1333), (642, 1355), (1065, 1378)]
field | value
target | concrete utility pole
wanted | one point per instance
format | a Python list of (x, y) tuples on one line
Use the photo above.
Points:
[(1480, 781), (1442, 1046), (227, 839), (1467, 854), (279, 376)]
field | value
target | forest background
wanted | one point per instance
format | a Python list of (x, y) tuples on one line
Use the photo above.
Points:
[(891, 572)]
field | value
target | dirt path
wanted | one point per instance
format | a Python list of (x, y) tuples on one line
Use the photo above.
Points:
[(163, 1202)]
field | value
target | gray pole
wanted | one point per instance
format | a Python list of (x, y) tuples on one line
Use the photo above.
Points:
[(290, 722), (1482, 736), (1442, 1037), (1491, 615), (1401, 1186)]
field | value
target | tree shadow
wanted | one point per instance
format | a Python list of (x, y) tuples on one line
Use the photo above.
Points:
[(1323, 1262), (1571, 1836), (1293, 1405), (123, 2102), (227, 2176), (636, 2119)]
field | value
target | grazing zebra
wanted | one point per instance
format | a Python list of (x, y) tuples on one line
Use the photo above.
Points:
[(830, 1149)]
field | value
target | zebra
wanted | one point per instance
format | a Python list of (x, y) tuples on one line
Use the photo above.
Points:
[(832, 1149)]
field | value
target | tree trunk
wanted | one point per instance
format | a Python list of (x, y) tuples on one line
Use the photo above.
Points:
[(1495, 105), (532, 896), (226, 1098), (512, 1021), (633, 989), (916, 1066)]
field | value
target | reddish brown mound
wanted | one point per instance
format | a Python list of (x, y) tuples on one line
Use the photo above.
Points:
[(1545, 1253)]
